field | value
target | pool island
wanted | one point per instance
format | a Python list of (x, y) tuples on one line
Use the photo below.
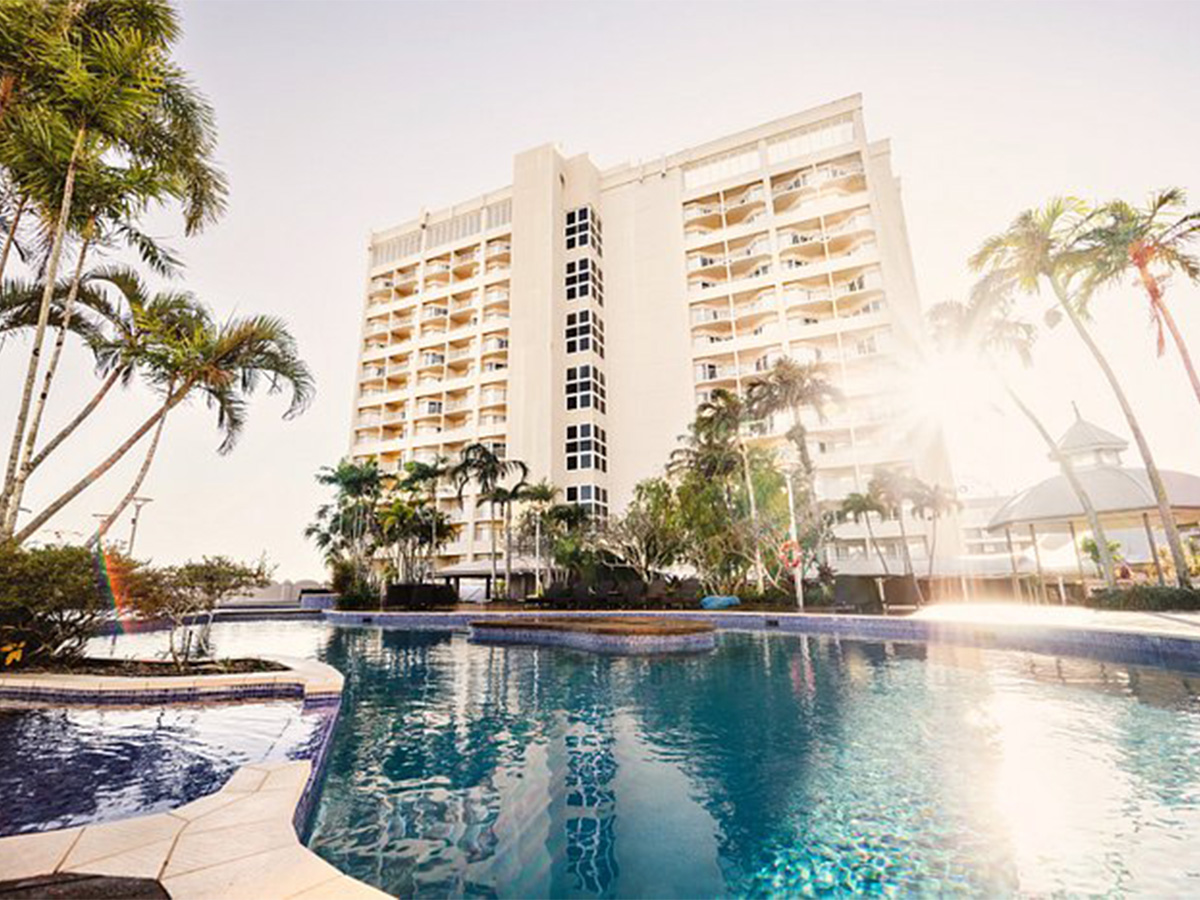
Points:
[(608, 634)]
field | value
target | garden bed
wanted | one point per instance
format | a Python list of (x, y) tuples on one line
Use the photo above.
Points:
[(601, 634), (149, 668)]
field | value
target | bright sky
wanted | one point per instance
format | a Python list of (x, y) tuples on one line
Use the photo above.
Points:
[(337, 118)]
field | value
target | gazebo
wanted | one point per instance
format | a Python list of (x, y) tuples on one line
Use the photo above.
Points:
[(1121, 495)]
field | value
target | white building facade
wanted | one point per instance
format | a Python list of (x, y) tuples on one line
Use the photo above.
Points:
[(575, 318)]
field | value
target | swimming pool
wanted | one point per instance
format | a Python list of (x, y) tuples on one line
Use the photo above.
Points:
[(775, 765)]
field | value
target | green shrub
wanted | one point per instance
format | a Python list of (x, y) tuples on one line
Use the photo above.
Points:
[(1148, 597), (51, 601)]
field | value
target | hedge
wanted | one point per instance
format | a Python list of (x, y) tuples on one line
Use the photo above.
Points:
[(1147, 597)]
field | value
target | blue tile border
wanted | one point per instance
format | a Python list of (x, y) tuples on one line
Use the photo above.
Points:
[(1102, 643)]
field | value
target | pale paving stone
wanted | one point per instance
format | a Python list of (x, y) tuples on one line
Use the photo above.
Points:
[(344, 888), (145, 861), (101, 841), (258, 807), (27, 855), (204, 805), (206, 848), (287, 777), (273, 875), (247, 778)]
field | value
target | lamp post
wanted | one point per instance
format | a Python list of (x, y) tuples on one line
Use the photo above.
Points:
[(138, 503)]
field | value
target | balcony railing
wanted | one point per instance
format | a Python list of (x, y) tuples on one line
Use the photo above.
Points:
[(704, 315)]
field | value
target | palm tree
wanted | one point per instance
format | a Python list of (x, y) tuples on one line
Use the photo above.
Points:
[(984, 327), (1045, 245), (860, 507), (428, 476), (894, 489), (505, 498), (480, 464), (540, 496), (104, 90), (1157, 237), (933, 501), (224, 364), (793, 387), (724, 413)]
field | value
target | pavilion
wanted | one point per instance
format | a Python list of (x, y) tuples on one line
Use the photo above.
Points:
[(1121, 495)]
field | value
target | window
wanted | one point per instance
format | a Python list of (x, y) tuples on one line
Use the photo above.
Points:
[(591, 497), (587, 447), (585, 331), (867, 346), (583, 229), (585, 388), (584, 280)]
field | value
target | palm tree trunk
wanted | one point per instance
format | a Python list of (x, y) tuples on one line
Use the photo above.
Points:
[(933, 548), (1170, 529), (1163, 314), (758, 561), (875, 543), (66, 430), (492, 537), (906, 554), (35, 423), (1068, 470), (508, 585), (797, 575), (98, 537), (11, 237), (91, 477), (537, 549), (10, 499)]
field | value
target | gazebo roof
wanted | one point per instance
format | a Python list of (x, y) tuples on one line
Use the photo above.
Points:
[(1117, 492), (1083, 436)]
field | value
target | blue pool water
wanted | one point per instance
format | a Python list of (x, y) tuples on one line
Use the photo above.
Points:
[(775, 766)]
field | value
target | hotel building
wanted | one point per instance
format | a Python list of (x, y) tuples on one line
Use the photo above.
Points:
[(575, 318)]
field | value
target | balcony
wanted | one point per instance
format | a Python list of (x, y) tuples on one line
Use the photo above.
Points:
[(381, 285), (370, 373), (704, 315), (493, 398), (434, 312), (498, 249)]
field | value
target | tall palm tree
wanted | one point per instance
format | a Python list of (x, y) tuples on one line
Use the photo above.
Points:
[(1154, 241), (223, 363), (1045, 245), (540, 496), (984, 328), (725, 413), (860, 507), (106, 88), (895, 489), (792, 387), (505, 498), (480, 464), (932, 501), (347, 528), (427, 476)]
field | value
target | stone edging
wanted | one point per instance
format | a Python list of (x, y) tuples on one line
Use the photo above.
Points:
[(1109, 642), (599, 643), (237, 842), (309, 679)]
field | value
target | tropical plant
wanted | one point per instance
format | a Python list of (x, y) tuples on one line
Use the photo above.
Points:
[(860, 507), (1046, 245), (723, 415), (421, 476), (984, 328), (347, 529), (225, 364), (1092, 551), (540, 497), (415, 530), (50, 601), (895, 489), (649, 536), (103, 89), (1153, 241), (932, 502), (793, 387), (480, 464)]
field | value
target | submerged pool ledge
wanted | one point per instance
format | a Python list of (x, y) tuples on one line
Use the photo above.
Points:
[(1133, 638)]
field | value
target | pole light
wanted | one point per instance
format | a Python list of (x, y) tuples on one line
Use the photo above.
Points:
[(138, 503)]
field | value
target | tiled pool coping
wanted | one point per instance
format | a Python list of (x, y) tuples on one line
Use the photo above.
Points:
[(1126, 638), (237, 842), (250, 854)]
